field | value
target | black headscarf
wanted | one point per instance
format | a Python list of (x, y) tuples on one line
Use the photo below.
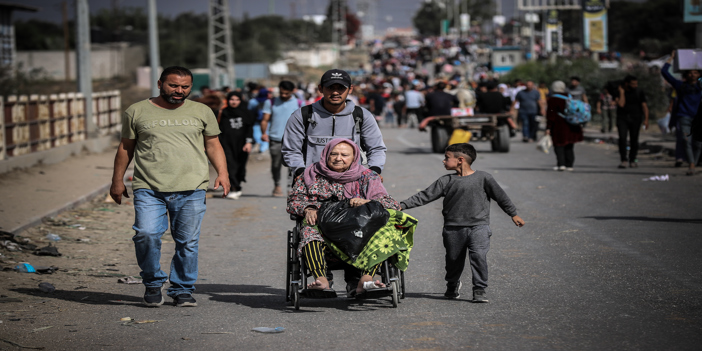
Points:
[(241, 104), (239, 111)]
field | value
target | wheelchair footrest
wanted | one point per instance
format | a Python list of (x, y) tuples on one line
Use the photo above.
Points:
[(374, 293), (318, 294)]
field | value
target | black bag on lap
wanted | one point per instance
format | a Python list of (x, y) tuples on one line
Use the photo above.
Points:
[(350, 228)]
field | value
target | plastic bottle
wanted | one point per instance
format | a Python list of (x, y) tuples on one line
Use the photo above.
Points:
[(53, 237), (269, 330), (25, 268)]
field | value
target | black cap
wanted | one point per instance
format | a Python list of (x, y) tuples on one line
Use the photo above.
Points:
[(336, 76)]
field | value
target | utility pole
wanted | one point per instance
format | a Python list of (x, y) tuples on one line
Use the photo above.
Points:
[(531, 37), (66, 43), (449, 7), (153, 48), (221, 52), (334, 17), (84, 71), (457, 17)]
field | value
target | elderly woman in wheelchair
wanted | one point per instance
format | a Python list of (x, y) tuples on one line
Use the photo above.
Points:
[(339, 175)]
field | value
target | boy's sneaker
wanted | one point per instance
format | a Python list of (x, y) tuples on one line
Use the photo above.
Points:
[(153, 297), (479, 296), (184, 300), (452, 290)]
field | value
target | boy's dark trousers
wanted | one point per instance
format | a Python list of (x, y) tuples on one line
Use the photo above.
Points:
[(475, 241)]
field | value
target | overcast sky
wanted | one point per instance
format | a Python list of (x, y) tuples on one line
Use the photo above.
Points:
[(390, 13)]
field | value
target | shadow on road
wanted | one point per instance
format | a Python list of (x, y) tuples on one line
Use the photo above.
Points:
[(578, 169), (435, 296), (85, 297), (263, 296), (427, 151), (647, 219), (413, 151)]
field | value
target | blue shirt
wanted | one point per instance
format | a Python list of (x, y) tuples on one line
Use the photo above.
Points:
[(528, 101), (689, 95), (414, 99), (280, 113)]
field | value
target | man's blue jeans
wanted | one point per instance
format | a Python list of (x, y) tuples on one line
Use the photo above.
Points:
[(529, 125), (153, 209)]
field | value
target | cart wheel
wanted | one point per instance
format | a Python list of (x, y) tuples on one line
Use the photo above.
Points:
[(500, 142), (296, 296), (439, 139), (395, 297)]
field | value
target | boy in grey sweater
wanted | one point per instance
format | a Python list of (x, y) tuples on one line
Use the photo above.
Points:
[(466, 212)]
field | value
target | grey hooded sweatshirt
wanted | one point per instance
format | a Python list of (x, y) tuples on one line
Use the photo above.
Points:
[(324, 127)]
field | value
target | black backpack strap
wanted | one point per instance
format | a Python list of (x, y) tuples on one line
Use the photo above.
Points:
[(358, 121), (306, 116)]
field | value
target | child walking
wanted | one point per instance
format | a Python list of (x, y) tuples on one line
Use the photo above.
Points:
[(467, 195)]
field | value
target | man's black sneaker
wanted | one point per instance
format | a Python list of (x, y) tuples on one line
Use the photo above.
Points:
[(479, 296), (153, 297), (452, 290), (184, 300)]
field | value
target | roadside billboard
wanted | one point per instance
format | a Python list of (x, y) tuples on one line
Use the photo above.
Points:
[(595, 25), (693, 11)]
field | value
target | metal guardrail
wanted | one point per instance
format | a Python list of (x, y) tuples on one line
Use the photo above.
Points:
[(41, 122)]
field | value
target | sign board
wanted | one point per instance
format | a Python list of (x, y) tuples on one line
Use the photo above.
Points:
[(595, 25), (531, 18), (444, 27), (543, 5), (464, 111), (552, 17), (367, 31), (465, 22), (692, 11)]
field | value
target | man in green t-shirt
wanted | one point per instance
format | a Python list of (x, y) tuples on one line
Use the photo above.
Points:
[(170, 139)]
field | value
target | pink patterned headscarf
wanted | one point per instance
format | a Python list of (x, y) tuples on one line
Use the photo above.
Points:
[(348, 178)]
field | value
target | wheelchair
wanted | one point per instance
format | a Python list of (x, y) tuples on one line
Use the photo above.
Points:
[(297, 274)]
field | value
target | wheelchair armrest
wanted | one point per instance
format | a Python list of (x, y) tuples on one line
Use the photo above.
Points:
[(296, 218)]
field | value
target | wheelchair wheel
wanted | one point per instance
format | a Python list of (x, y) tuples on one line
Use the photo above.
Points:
[(296, 296), (402, 284), (288, 265), (395, 297)]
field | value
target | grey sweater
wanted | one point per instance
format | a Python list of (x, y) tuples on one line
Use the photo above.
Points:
[(466, 199), (324, 127)]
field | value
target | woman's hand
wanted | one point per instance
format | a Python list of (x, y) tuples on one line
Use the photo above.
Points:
[(247, 147), (311, 216), (518, 221), (355, 202)]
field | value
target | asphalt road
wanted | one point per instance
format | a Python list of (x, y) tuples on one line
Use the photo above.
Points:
[(605, 261)]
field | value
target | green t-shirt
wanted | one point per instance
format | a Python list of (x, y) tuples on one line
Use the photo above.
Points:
[(170, 147)]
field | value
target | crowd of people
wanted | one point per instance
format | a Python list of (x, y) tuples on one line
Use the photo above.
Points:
[(329, 136), (171, 139)]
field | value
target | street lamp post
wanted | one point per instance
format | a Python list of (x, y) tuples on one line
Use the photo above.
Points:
[(153, 48)]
